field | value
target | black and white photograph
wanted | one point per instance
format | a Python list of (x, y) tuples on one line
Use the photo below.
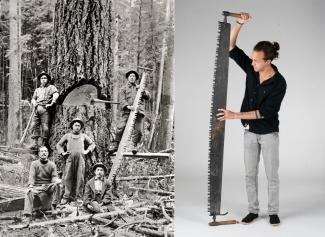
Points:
[(87, 118)]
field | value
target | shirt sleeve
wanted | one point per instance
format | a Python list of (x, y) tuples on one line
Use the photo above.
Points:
[(239, 56), (60, 145), (53, 89), (273, 103), (124, 101), (90, 143), (31, 179), (35, 94)]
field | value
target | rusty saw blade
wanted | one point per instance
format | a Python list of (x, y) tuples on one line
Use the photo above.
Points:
[(217, 128)]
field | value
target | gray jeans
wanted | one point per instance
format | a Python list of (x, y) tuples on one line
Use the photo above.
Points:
[(269, 145)]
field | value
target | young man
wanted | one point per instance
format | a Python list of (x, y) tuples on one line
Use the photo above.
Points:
[(128, 93), (43, 183), (97, 195), (44, 98), (265, 89), (72, 147)]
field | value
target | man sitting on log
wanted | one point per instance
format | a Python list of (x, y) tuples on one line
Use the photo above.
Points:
[(43, 184), (128, 94), (97, 195), (44, 98), (72, 148)]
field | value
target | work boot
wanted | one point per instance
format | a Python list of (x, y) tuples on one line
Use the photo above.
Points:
[(274, 220), (27, 219), (64, 201), (249, 218), (54, 211)]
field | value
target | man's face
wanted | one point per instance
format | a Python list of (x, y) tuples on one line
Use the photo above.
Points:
[(43, 153), (43, 80), (132, 78), (76, 127), (99, 172), (258, 61)]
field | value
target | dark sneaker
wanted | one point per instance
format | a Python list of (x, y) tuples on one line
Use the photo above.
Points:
[(274, 220), (249, 218)]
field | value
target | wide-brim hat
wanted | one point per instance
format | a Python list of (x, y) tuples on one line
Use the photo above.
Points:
[(132, 72), (77, 120), (99, 164), (49, 79)]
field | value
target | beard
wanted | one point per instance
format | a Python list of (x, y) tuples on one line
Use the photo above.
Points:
[(44, 161)]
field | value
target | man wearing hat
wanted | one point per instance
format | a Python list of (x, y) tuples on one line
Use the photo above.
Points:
[(43, 98), (72, 147), (127, 95), (97, 191)]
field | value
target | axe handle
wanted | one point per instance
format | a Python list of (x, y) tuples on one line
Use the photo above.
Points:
[(237, 15), (27, 127)]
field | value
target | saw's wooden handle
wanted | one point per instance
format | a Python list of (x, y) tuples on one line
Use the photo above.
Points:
[(217, 223), (237, 15)]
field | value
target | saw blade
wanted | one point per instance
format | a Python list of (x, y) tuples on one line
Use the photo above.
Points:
[(217, 128)]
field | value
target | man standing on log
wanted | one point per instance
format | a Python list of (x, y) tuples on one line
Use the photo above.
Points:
[(98, 195), (72, 147), (43, 183), (128, 94), (265, 90), (44, 98)]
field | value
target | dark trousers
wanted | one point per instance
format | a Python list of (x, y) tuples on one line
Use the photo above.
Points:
[(40, 120), (47, 194), (137, 131), (74, 176)]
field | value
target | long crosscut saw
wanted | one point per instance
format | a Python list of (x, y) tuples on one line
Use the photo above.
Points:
[(127, 131), (217, 128)]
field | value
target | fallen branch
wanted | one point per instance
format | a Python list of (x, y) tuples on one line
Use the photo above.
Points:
[(145, 155), (68, 220), (164, 211), (151, 232), (14, 218), (10, 160), (152, 190), (143, 177)]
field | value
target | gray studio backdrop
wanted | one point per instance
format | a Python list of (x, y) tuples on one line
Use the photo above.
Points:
[(299, 27)]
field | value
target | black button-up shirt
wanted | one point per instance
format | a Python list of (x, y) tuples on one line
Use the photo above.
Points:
[(265, 97)]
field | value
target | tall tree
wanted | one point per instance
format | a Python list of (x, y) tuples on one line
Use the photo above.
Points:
[(82, 54), (168, 90), (14, 85)]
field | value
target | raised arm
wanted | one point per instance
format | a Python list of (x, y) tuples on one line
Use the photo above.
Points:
[(236, 28)]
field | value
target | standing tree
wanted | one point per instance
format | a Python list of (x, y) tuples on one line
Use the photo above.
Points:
[(82, 54), (14, 84)]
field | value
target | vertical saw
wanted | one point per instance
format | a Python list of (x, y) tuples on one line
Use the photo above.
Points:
[(217, 128)]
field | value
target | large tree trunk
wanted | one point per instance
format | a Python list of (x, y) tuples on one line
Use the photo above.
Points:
[(82, 54), (168, 91), (14, 85)]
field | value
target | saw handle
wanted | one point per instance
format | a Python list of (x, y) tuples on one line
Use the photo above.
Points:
[(237, 15)]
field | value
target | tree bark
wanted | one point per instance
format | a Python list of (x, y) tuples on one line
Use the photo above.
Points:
[(82, 54), (14, 85), (168, 89)]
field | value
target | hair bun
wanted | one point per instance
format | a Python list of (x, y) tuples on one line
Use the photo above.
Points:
[(276, 46)]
